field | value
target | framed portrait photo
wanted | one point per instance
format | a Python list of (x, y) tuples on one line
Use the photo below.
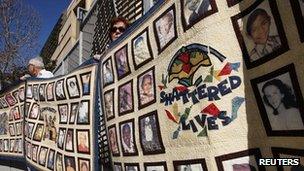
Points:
[(122, 62), (42, 94), (117, 166), (34, 152), (298, 13), (16, 113), (83, 116), (59, 161), (36, 92), (260, 33), (113, 140), (74, 112), (21, 94), (59, 90), (50, 91), (83, 141), (146, 88), (109, 104), (69, 141), (61, 137), (125, 98), (246, 160), (159, 166), (86, 83), (63, 110), (18, 128), (12, 145), (10, 99), (51, 159), (149, 131), (194, 11), (84, 164), (38, 132), (127, 138), (165, 29), (107, 72), (195, 164), (280, 102), (35, 111), (30, 130), (29, 91), (279, 152), (42, 156), (141, 49), (69, 163), (131, 166), (73, 87)]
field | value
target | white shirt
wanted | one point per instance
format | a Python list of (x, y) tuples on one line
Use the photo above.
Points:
[(45, 74)]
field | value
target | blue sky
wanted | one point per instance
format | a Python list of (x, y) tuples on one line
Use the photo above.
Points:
[(49, 10)]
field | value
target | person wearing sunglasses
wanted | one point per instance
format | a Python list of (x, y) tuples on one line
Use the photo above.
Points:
[(118, 26)]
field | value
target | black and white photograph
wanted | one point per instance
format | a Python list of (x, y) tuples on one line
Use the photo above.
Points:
[(131, 167), (42, 156), (59, 90), (280, 102), (149, 131), (51, 159), (61, 138), (109, 104), (50, 91), (117, 166), (6, 145), (156, 166), (63, 113), (165, 29), (35, 92), (29, 92), (35, 111), (146, 88), (21, 94), (279, 152), (107, 71), (141, 49), (74, 112), (86, 83), (12, 129), (59, 162), (127, 138), (194, 11), (42, 93), (260, 33), (83, 116), (73, 87), (298, 13), (34, 152), (243, 160)]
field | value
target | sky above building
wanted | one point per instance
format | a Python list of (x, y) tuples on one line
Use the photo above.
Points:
[(49, 11)]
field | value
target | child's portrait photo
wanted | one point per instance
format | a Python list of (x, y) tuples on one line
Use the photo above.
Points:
[(121, 62), (141, 49), (127, 138), (50, 92), (59, 90), (260, 33), (109, 104), (125, 98), (73, 87), (150, 137), (113, 140), (165, 29), (83, 114), (83, 141), (146, 87), (86, 80), (108, 75)]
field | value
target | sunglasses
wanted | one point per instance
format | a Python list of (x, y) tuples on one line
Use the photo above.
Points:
[(121, 29)]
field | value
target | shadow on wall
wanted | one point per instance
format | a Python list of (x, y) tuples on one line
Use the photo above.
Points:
[(274, 104)]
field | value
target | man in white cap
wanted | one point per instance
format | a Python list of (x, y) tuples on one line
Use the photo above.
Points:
[(36, 68)]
